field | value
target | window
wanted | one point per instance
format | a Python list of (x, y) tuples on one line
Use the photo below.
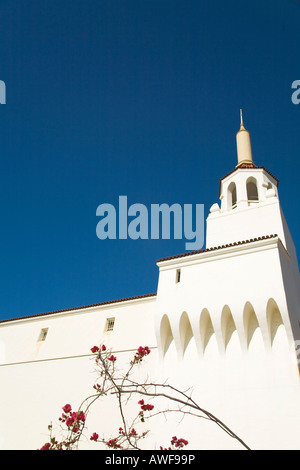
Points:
[(43, 334), (178, 274), (252, 193), (232, 199), (110, 323)]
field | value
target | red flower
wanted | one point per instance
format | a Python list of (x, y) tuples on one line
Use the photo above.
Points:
[(179, 442), (112, 358), (67, 408), (81, 416), (141, 352), (147, 407), (113, 443), (103, 347), (94, 437), (70, 421), (46, 446), (94, 349)]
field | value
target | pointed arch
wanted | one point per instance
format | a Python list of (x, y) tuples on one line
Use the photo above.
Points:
[(166, 335), (206, 329), (185, 331), (274, 319), (227, 325), (250, 323)]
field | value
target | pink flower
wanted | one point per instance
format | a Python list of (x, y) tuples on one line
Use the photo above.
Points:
[(113, 443), (94, 437), (178, 442), (69, 422), (81, 416), (94, 349), (46, 446), (67, 408), (147, 407), (141, 352)]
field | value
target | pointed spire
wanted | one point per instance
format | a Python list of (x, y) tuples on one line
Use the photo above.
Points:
[(243, 144), (242, 128)]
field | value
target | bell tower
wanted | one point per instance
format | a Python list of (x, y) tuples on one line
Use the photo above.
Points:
[(249, 203)]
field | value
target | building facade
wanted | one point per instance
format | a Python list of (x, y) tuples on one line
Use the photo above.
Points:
[(225, 323)]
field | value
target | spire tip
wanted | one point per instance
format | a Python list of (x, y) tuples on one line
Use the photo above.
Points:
[(242, 123)]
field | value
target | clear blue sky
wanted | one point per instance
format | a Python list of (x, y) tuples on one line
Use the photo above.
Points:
[(138, 98)]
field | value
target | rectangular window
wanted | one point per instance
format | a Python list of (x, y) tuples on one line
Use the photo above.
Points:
[(110, 323), (43, 334), (178, 274)]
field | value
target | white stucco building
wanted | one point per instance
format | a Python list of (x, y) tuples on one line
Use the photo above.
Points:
[(225, 320)]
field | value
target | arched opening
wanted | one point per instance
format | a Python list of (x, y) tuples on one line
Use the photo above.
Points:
[(166, 335), (252, 191), (231, 196)]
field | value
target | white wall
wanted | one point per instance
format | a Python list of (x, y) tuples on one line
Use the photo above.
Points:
[(37, 379), (233, 340)]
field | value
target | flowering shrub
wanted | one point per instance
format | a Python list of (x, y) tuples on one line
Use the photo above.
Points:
[(128, 437), (145, 407), (176, 444), (112, 358), (141, 353), (74, 421)]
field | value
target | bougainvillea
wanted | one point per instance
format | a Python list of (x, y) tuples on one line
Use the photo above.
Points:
[(121, 385)]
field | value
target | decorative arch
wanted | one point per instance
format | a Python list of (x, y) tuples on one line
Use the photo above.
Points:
[(227, 325), (185, 331), (166, 335), (250, 323), (274, 319), (252, 191), (206, 329), (231, 196)]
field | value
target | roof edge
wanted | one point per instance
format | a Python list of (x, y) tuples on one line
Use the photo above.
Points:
[(206, 250), (100, 304)]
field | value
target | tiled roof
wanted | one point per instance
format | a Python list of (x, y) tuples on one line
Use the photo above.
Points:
[(81, 308), (205, 250)]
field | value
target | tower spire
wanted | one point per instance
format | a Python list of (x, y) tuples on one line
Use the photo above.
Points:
[(242, 124), (243, 143)]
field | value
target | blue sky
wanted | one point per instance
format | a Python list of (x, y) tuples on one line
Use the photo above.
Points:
[(138, 98)]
